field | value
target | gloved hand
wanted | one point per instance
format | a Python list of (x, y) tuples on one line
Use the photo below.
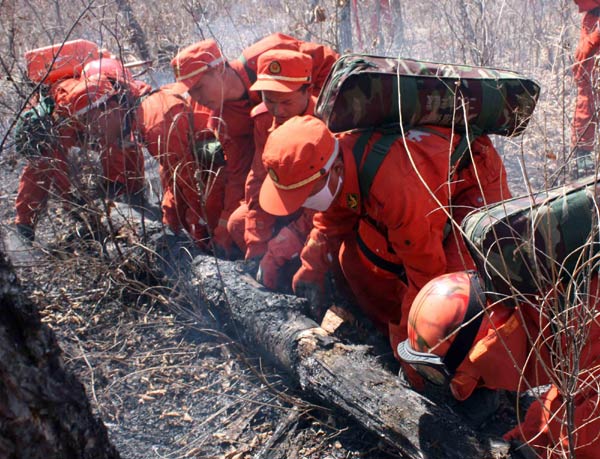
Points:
[(520, 450), (315, 297), (480, 406), (251, 265), (222, 242), (281, 249), (255, 250), (415, 380), (26, 232)]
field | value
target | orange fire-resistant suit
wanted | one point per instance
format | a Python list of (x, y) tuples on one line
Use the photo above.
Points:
[(123, 168), (168, 127), (585, 71), (393, 241), (234, 126), (529, 351), (276, 239)]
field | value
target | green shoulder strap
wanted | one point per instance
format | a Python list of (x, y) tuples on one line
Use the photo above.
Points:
[(249, 71), (460, 157), (373, 161), (375, 156)]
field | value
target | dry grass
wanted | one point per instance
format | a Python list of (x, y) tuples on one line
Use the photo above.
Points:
[(165, 388)]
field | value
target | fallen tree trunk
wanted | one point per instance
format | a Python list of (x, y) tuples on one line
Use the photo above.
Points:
[(345, 377), (44, 411), (348, 378)]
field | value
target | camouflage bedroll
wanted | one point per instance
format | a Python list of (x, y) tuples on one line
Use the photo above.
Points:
[(365, 91), (531, 244)]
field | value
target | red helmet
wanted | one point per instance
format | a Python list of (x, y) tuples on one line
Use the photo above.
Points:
[(443, 322), (81, 95), (110, 68)]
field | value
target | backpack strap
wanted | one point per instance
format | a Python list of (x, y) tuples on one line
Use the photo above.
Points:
[(373, 161), (374, 157), (359, 147), (380, 262), (249, 71), (460, 157)]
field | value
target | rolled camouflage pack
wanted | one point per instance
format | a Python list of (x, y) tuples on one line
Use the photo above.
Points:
[(526, 245), (365, 91)]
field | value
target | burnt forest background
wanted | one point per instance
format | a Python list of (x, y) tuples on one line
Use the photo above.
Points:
[(170, 385)]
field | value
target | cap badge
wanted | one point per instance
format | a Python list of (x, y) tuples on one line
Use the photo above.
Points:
[(275, 68), (273, 175)]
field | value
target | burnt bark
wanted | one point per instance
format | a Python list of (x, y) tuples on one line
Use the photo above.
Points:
[(344, 27), (44, 411), (346, 377), (138, 36)]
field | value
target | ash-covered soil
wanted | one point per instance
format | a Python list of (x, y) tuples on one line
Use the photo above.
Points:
[(165, 383), (169, 383)]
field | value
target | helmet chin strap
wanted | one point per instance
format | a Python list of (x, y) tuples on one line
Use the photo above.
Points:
[(463, 342)]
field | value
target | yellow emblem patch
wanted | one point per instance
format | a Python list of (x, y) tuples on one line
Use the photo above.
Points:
[(275, 67), (273, 175), (352, 200)]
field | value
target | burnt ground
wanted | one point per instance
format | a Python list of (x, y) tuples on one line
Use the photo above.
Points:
[(167, 384)]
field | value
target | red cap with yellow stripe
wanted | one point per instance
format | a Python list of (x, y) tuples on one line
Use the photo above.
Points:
[(282, 70), (192, 62), (296, 155)]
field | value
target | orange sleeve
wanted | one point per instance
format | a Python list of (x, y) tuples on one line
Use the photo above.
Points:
[(414, 220), (259, 224), (544, 427), (589, 38), (323, 244), (166, 124), (235, 132), (323, 59)]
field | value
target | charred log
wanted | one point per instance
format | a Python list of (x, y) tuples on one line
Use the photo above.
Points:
[(348, 378)]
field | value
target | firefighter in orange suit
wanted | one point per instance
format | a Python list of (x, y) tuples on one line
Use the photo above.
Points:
[(284, 77), (225, 87), (164, 123), (392, 241), (50, 171), (585, 120), (457, 337)]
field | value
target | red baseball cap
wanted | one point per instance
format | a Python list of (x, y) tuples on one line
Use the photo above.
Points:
[(282, 70), (88, 93), (191, 62), (296, 155)]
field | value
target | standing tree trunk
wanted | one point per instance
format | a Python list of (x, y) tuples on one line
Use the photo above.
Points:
[(345, 28), (44, 411), (137, 37)]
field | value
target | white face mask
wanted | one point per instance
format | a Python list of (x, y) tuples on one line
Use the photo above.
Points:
[(323, 199)]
